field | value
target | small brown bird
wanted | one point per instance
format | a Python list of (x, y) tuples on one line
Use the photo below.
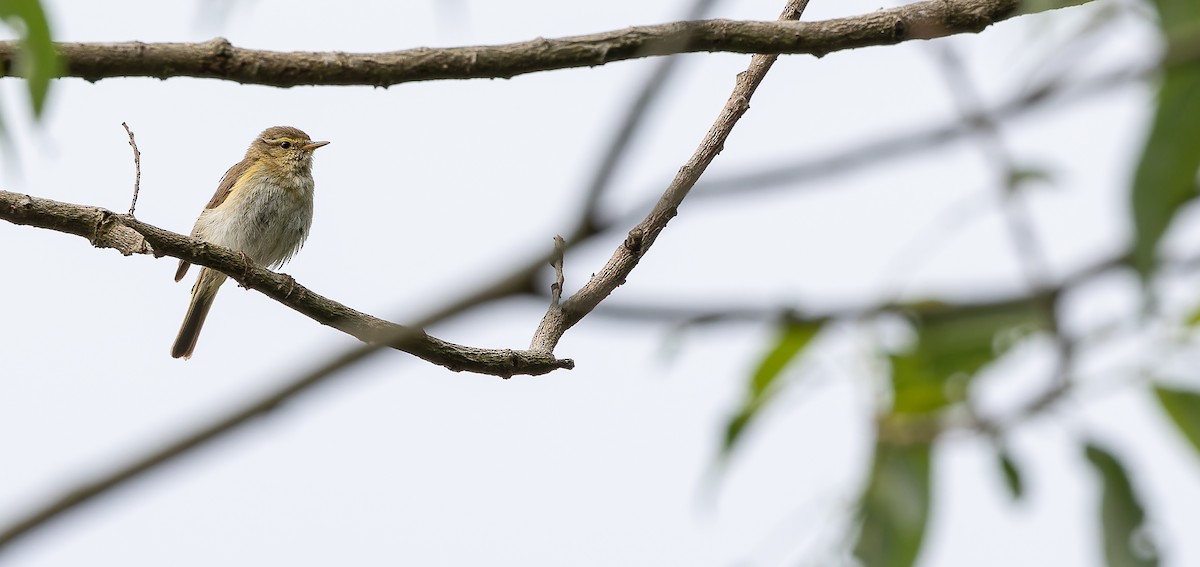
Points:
[(262, 208)]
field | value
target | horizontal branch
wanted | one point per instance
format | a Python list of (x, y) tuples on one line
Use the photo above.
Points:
[(106, 229), (218, 59), (713, 311)]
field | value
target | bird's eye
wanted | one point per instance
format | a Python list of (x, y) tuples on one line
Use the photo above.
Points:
[(285, 145)]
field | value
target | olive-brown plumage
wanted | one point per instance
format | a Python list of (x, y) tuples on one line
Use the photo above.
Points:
[(262, 208)]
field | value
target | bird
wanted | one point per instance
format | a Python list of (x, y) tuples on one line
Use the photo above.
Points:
[(263, 208)]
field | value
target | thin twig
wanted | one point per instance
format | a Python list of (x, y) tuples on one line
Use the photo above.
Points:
[(137, 167), (218, 59), (642, 237)]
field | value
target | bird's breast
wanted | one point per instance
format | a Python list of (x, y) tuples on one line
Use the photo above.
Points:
[(262, 217)]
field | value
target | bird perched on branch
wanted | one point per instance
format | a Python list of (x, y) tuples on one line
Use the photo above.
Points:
[(262, 208)]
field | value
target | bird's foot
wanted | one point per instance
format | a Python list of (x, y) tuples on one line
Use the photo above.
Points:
[(291, 286), (247, 267)]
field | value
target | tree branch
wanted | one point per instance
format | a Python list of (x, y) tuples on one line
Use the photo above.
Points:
[(86, 491), (712, 311), (105, 229), (218, 59), (783, 172), (520, 280), (562, 317)]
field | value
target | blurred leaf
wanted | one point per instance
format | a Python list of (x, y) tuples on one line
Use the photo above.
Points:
[(954, 343), (1121, 514), (792, 340), (1012, 475), (1184, 409), (38, 60), (895, 506), (1018, 176), (735, 427), (1166, 175), (1174, 15), (1037, 6), (1193, 318)]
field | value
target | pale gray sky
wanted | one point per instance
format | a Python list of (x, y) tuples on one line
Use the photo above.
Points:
[(428, 189)]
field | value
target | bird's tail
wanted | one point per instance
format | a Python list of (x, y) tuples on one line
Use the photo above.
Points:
[(203, 294)]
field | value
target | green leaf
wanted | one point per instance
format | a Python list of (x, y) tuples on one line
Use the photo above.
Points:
[(1184, 409), (1038, 6), (954, 342), (1012, 475), (1193, 318), (737, 424), (1175, 15), (895, 506), (791, 342), (38, 61), (1166, 175), (1121, 514), (1018, 176)]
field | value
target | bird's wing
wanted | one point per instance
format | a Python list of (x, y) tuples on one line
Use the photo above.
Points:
[(224, 189), (228, 181)]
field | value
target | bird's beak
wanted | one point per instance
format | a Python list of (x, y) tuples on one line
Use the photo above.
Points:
[(312, 146)]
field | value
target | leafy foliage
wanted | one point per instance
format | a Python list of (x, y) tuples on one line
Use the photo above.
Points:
[(1012, 475), (792, 340), (954, 343), (952, 346), (1121, 514), (39, 60), (895, 506), (1036, 6), (1184, 409), (1166, 175)]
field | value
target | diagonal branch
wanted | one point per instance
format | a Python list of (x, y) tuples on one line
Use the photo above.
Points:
[(627, 128), (87, 491), (218, 59), (106, 229), (562, 317)]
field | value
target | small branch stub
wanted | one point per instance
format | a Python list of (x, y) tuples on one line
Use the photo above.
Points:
[(556, 289)]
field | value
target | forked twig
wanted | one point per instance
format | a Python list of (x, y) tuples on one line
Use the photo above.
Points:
[(561, 317)]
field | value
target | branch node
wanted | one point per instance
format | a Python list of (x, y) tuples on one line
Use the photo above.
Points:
[(633, 242), (99, 234)]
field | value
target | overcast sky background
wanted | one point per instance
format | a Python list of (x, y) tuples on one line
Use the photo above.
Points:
[(429, 189)]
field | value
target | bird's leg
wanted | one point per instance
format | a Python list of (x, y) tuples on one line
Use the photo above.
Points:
[(291, 286)]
